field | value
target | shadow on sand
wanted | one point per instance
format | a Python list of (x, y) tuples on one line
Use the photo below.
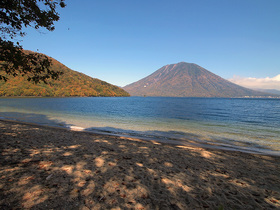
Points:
[(39, 119), (47, 168)]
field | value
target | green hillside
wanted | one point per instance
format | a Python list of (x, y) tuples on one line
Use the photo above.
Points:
[(71, 83)]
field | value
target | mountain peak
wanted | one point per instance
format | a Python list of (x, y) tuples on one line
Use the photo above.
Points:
[(187, 80), (182, 63)]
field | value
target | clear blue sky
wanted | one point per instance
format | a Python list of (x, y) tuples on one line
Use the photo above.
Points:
[(122, 41)]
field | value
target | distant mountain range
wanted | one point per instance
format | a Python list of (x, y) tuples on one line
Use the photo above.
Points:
[(188, 80), (71, 83), (271, 91)]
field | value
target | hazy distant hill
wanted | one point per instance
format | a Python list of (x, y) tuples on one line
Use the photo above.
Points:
[(71, 83), (187, 80), (273, 91)]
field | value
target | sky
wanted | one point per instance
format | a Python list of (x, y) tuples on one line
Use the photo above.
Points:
[(124, 41)]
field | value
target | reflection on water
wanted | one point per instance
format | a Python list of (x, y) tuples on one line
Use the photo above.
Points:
[(250, 123)]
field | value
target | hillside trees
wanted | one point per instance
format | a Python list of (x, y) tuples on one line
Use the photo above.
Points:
[(14, 16), (71, 83)]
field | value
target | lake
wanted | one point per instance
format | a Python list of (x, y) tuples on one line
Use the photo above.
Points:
[(243, 124)]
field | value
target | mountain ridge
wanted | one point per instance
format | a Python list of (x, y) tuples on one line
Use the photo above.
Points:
[(271, 91), (187, 80), (70, 83)]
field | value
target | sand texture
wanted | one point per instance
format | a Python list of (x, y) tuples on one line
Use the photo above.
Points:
[(52, 168)]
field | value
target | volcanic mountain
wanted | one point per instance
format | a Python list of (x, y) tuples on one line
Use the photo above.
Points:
[(70, 83), (187, 80)]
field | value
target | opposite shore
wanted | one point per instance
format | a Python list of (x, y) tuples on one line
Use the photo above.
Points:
[(43, 167)]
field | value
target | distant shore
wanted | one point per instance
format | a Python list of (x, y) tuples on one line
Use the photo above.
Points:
[(44, 167)]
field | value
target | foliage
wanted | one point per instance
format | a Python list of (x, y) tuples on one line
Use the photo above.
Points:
[(14, 15), (15, 61), (70, 83)]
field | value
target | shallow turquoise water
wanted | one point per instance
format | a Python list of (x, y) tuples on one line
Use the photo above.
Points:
[(251, 124)]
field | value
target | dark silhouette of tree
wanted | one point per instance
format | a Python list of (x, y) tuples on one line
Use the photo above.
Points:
[(14, 16)]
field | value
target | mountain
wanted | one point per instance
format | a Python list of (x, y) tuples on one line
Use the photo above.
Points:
[(272, 91), (71, 83), (187, 80)]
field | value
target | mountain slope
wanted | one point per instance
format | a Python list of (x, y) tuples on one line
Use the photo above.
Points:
[(187, 80), (71, 83), (271, 91)]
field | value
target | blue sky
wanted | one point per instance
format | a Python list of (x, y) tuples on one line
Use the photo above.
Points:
[(123, 41)]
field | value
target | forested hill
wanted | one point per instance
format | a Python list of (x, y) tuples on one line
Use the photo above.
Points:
[(71, 83)]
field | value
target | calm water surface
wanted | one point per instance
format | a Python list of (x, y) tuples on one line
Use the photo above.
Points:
[(248, 124)]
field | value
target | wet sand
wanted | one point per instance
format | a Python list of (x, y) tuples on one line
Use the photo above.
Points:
[(54, 168)]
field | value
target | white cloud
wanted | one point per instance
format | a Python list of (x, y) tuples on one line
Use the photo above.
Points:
[(257, 83)]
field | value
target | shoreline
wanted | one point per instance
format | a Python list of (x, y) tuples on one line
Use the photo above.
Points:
[(50, 167), (175, 142)]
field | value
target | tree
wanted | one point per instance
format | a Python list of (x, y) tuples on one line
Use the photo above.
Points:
[(14, 16)]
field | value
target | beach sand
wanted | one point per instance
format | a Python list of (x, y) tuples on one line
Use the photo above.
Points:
[(53, 168)]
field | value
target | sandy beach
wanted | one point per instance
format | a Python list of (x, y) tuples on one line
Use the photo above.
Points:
[(54, 168)]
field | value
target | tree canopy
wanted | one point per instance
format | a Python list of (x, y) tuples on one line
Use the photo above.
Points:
[(14, 16), (71, 83)]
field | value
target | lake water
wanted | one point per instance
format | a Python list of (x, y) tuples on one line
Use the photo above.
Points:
[(245, 124)]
